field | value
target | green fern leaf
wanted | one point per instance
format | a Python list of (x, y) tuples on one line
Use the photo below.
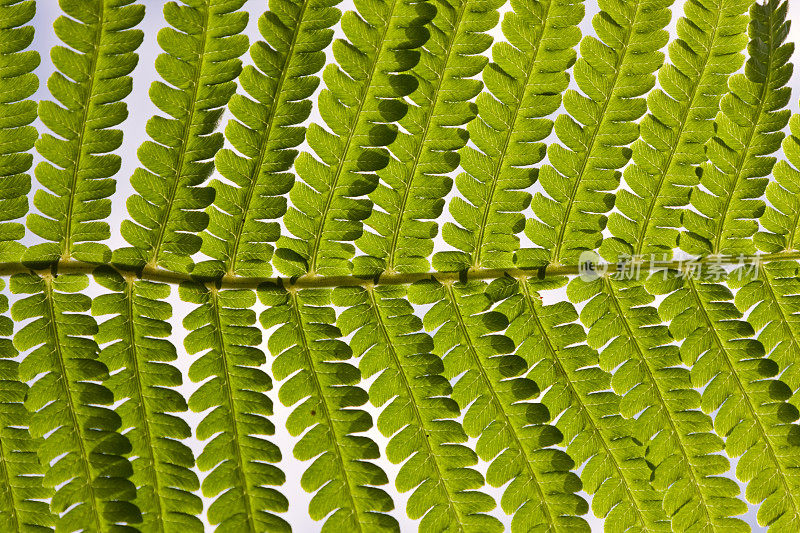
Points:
[(240, 460), (307, 347), (18, 82), (199, 65), (772, 288), (89, 85), (23, 505), (525, 84), (81, 445), (415, 181), (361, 103), (770, 294), (581, 405), (710, 38), (613, 73), (138, 356), (264, 134), (417, 415), (739, 385), (782, 216), (657, 391), (512, 430), (748, 130)]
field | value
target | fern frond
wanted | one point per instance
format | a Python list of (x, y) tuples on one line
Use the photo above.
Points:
[(748, 130), (138, 356), (524, 84), (199, 64), (710, 39), (89, 85), (361, 103), (307, 348), (657, 391), (782, 215), (418, 415), (738, 385), (415, 180), (23, 505), (770, 293), (240, 460), (264, 133), (773, 288), (612, 73), (18, 82), (81, 445), (512, 430), (581, 405)]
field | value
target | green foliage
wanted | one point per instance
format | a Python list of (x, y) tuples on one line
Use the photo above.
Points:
[(200, 62), (233, 389), (612, 73), (507, 392), (307, 348), (91, 80), (360, 104), (21, 493), (658, 393), (679, 123), (749, 405), (512, 431), (525, 84), (265, 133), (418, 413), (415, 179), (748, 130), (17, 112), (138, 355), (81, 447)]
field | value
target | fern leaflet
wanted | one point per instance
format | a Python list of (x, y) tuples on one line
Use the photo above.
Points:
[(90, 82), (613, 73), (17, 136), (346, 483), (748, 130), (264, 134), (419, 415), (138, 355), (525, 85), (361, 103), (81, 445), (240, 460), (199, 64), (413, 184)]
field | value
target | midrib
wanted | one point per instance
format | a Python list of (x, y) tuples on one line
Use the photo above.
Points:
[(556, 255), (346, 152), (76, 427), (148, 443), (223, 354)]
